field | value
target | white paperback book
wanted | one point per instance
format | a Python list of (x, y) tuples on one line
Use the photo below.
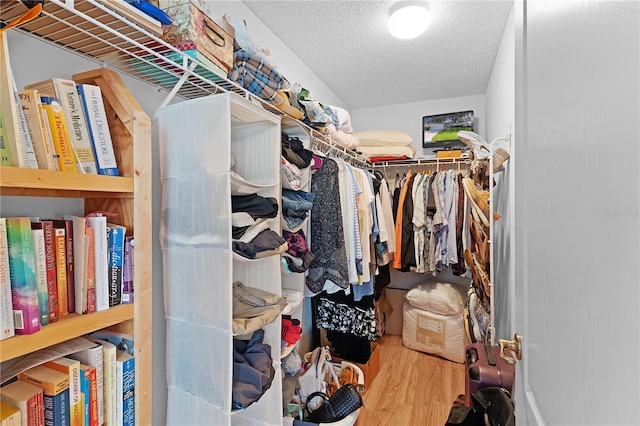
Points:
[(101, 252)]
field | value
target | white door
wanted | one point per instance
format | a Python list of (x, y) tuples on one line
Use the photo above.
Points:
[(577, 210)]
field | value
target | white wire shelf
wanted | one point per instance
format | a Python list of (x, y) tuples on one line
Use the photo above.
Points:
[(93, 30)]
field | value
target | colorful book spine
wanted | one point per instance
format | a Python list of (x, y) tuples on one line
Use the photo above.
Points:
[(109, 380), (91, 395), (125, 389), (6, 306), (34, 115), (93, 357), (26, 314), (68, 232), (98, 125), (78, 128), (56, 409), (52, 273), (5, 151), (90, 270), (28, 398), (71, 367), (127, 274), (85, 389), (79, 262), (40, 265), (61, 141), (101, 252), (60, 241), (116, 262)]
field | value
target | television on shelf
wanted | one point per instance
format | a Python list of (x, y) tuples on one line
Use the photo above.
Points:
[(440, 131)]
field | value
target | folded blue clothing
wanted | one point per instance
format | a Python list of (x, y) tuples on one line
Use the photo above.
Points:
[(297, 200)]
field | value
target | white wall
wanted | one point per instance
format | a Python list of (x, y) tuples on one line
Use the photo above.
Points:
[(500, 108), (408, 117)]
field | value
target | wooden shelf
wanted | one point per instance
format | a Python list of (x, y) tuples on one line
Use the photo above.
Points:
[(68, 327), (36, 182)]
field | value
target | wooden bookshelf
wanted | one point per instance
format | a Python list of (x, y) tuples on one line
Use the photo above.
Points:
[(128, 196), (36, 182), (67, 327)]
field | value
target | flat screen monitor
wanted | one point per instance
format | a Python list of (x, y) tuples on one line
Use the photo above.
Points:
[(440, 131)]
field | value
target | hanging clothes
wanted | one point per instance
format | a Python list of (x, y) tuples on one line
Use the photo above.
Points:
[(327, 234)]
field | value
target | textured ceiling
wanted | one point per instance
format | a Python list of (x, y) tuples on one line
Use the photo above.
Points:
[(347, 45)]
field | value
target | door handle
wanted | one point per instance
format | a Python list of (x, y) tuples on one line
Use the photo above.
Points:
[(514, 346)]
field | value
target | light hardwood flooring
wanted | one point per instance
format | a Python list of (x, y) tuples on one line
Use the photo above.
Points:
[(411, 389)]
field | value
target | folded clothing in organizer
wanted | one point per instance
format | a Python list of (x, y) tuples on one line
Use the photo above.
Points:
[(291, 175), (298, 249), (255, 205), (294, 151), (253, 308), (266, 243), (295, 207), (253, 370)]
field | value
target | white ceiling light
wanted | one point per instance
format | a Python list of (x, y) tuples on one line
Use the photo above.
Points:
[(408, 19)]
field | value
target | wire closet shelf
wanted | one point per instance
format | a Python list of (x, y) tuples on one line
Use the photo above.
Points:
[(92, 30)]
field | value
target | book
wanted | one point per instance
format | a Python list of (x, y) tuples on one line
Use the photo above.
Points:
[(116, 236), (125, 389), (98, 125), (71, 367), (85, 391), (51, 381), (40, 265), (101, 259), (18, 138), (79, 262), (63, 150), (60, 245), (6, 306), (109, 390), (5, 151), (66, 93), (56, 409), (127, 273), (24, 294), (93, 357), (50, 257), (90, 394), (68, 232), (122, 341), (40, 138), (9, 414), (28, 398), (90, 271)]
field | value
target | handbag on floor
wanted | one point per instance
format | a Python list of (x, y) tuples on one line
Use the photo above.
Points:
[(336, 407)]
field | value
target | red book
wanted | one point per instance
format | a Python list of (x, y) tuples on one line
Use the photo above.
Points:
[(68, 232), (28, 398), (90, 373)]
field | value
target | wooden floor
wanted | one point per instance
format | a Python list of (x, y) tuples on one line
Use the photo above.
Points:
[(411, 389)]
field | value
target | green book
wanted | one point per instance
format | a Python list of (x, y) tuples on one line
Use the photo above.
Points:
[(5, 154)]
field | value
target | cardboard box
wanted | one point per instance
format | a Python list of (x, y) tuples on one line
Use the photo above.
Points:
[(371, 368), (191, 23)]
